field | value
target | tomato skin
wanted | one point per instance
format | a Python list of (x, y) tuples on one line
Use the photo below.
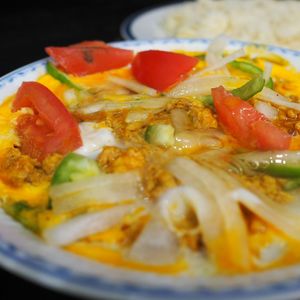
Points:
[(89, 57), (251, 128), (270, 137), (50, 129), (161, 69)]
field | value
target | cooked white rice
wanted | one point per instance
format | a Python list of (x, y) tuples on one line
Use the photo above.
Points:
[(261, 21)]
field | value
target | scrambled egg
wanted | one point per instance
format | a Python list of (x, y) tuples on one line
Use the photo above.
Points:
[(25, 179)]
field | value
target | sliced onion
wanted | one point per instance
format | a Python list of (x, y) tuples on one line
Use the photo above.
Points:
[(206, 181), (209, 217), (282, 216), (216, 49), (268, 110), (195, 139), (222, 62), (133, 85), (136, 116), (271, 253), (101, 189), (200, 86), (156, 244), (85, 225), (271, 96), (267, 71), (105, 105), (180, 119)]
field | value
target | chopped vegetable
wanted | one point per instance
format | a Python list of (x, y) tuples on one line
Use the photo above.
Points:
[(229, 227), (201, 86), (160, 134), (89, 57), (249, 89), (216, 49), (246, 67), (85, 225), (155, 245), (143, 103), (267, 75), (192, 140), (75, 167), (246, 124), (133, 85), (180, 119), (161, 69), (266, 109), (254, 70), (207, 100), (274, 97), (270, 84), (280, 164), (100, 189), (61, 76), (50, 129), (222, 62)]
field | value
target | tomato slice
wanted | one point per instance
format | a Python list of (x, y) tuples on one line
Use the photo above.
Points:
[(251, 128), (161, 69), (50, 129), (89, 57)]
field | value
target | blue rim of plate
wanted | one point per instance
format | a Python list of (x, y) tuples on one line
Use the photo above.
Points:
[(125, 28), (66, 280)]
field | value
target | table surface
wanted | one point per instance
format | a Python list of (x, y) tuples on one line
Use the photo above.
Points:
[(25, 30)]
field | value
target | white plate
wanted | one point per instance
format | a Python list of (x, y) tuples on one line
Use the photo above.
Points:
[(146, 24), (25, 254)]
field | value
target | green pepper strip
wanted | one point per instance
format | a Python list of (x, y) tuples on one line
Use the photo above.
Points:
[(201, 56), (246, 67), (251, 69), (61, 76), (208, 100), (249, 89), (245, 92), (285, 171), (292, 184), (270, 84), (75, 167)]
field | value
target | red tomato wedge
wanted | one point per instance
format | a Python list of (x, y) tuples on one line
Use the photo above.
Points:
[(89, 57), (251, 128), (161, 69), (50, 129)]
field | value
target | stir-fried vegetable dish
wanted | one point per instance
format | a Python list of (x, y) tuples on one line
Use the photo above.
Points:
[(170, 162)]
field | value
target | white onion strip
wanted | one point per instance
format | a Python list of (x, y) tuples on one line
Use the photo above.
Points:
[(267, 71), (222, 62), (200, 86), (280, 216), (101, 189), (271, 96), (132, 85), (85, 225), (216, 49), (209, 217), (268, 110), (156, 244), (106, 105), (192, 174)]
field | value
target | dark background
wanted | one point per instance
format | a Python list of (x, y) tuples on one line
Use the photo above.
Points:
[(25, 30)]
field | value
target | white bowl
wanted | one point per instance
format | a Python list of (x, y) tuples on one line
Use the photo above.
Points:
[(23, 253)]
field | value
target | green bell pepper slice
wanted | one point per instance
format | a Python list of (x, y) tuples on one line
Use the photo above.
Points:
[(75, 167), (61, 76)]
